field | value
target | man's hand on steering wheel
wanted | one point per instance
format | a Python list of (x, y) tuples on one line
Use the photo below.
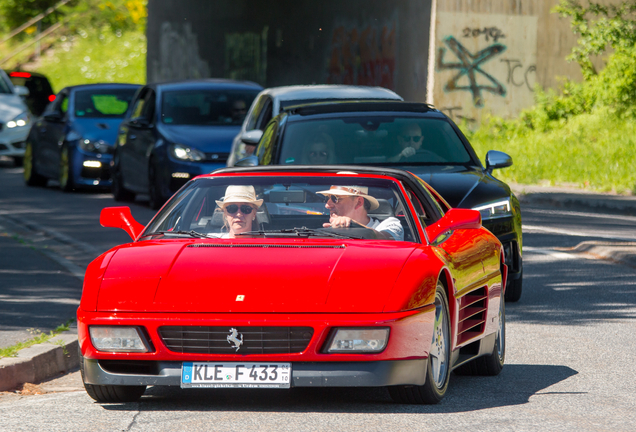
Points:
[(341, 222)]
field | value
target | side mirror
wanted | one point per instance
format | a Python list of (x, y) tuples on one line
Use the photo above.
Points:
[(54, 117), (120, 217), (252, 137), (21, 90), (497, 159), (454, 219), (249, 161)]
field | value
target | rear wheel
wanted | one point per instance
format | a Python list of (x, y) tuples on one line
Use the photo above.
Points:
[(493, 363), (66, 171), (31, 177), (438, 369), (154, 188), (111, 393)]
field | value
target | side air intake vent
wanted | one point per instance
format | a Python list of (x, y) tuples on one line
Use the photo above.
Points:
[(472, 315)]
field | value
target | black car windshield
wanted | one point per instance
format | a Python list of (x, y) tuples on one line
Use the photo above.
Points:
[(206, 107), (283, 206), (103, 103), (4, 86), (369, 140)]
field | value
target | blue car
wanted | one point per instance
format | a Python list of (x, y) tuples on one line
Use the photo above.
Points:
[(72, 142), (175, 131)]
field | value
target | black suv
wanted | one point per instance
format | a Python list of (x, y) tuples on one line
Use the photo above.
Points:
[(411, 136), (40, 91)]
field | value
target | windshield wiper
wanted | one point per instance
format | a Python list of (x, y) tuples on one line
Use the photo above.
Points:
[(299, 232), (192, 233)]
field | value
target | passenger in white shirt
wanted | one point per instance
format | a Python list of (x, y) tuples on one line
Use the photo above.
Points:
[(352, 203)]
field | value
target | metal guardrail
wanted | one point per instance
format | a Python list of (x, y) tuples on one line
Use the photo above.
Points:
[(39, 36)]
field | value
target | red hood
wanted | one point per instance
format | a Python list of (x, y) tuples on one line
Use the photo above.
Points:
[(298, 276)]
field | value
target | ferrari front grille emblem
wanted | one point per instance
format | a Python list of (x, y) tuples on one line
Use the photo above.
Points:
[(233, 339), (240, 297)]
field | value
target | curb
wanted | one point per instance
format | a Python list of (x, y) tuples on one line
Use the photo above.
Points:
[(617, 252), (39, 362)]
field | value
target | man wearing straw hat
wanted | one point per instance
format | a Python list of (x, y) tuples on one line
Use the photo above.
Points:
[(351, 203)]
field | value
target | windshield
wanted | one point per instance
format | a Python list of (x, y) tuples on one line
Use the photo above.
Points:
[(372, 141), (103, 103), (285, 206), (212, 107)]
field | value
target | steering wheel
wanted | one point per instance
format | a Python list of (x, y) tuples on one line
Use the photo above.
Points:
[(431, 156)]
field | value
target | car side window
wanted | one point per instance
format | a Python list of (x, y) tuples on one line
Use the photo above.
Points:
[(148, 110), (266, 114), (138, 107), (255, 113), (265, 151)]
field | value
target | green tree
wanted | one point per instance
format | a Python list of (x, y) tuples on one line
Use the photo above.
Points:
[(14, 13)]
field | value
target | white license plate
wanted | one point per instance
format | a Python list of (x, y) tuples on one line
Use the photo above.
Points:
[(237, 375)]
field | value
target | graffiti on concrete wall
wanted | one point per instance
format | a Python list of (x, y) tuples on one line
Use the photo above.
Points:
[(178, 55), (246, 56), (484, 62), (363, 55), (470, 66)]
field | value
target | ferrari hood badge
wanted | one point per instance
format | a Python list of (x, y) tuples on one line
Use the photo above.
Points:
[(233, 339)]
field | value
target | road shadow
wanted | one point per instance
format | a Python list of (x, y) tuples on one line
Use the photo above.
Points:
[(514, 386)]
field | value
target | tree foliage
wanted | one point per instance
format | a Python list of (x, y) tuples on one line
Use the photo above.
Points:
[(600, 27)]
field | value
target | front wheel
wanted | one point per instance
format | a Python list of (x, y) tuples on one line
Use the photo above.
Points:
[(31, 176), (120, 193), (66, 171), (111, 393), (438, 368), (513, 290), (154, 188)]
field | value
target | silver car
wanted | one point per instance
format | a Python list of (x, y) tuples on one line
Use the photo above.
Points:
[(270, 102), (15, 119)]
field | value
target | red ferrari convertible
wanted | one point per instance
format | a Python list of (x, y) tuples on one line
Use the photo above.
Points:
[(279, 277)]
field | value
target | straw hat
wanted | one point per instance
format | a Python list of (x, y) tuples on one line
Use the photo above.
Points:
[(239, 194), (357, 191)]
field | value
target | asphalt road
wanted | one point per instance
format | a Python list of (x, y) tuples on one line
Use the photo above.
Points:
[(570, 340)]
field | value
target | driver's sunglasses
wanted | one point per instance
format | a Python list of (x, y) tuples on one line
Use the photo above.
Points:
[(334, 198), (414, 138), (233, 209)]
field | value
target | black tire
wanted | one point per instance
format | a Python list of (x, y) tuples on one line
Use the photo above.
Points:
[(154, 190), (31, 176), (67, 184), (120, 193), (493, 363), (18, 161), (514, 288), (438, 368), (111, 393)]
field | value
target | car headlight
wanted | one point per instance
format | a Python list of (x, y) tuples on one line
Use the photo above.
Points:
[(182, 152), (117, 339), (495, 209), (351, 340), (91, 146), (19, 121)]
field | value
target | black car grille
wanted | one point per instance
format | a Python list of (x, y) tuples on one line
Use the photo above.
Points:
[(216, 157), (256, 340)]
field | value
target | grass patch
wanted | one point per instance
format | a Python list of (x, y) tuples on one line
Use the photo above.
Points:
[(593, 151), (12, 351), (96, 56)]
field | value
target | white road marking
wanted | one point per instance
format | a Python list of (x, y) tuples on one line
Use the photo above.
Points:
[(552, 253), (594, 234)]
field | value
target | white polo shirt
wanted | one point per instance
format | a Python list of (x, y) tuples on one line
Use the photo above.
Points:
[(391, 224)]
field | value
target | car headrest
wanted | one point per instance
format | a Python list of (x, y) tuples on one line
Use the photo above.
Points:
[(384, 211)]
